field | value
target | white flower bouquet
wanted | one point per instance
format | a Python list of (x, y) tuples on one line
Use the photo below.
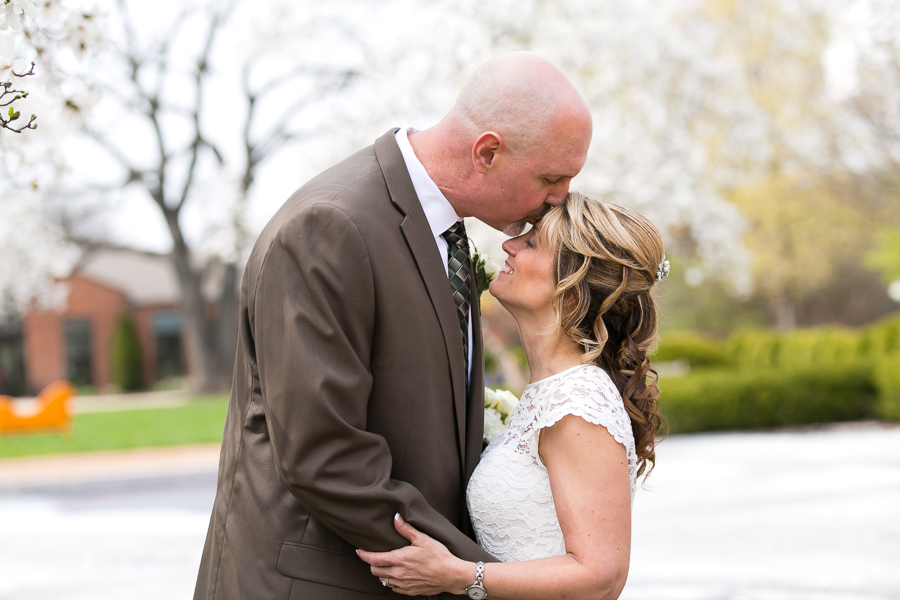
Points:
[(498, 406)]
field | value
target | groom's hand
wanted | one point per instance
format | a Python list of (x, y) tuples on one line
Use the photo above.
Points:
[(423, 568)]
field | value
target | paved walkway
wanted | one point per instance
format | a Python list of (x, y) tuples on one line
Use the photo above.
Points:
[(106, 525), (771, 516), (802, 515), (61, 472)]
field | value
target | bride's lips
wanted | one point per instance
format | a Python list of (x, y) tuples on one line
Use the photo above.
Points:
[(507, 270)]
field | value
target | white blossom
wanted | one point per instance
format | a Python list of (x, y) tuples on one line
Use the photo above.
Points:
[(8, 63), (9, 13), (506, 403), (82, 33), (498, 407), (34, 253), (493, 425), (490, 397), (490, 267), (83, 100)]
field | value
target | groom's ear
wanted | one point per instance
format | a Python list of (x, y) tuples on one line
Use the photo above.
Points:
[(486, 150)]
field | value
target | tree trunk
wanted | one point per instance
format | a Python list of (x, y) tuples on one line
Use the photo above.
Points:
[(210, 333), (227, 323), (211, 330), (783, 313)]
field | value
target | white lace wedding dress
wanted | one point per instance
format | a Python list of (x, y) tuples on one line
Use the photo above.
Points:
[(509, 494)]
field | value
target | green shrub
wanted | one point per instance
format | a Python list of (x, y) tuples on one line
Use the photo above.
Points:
[(839, 346), (754, 348), (820, 347), (881, 338), (762, 398), (699, 350), (806, 376), (799, 349), (127, 367), (887, 380)]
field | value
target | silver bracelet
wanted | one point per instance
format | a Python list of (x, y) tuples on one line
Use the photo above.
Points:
[(476, 591)]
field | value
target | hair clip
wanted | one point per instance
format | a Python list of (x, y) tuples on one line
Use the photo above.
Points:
[(663, 269)]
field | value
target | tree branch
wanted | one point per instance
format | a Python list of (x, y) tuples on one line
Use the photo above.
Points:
[(202, 70), (134, 174), (278, 133), (90, 245), (13, 114)]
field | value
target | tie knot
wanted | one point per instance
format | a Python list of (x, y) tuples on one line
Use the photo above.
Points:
[(456, 236)]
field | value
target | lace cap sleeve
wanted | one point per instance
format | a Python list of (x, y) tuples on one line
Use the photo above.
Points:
[(589, 393)]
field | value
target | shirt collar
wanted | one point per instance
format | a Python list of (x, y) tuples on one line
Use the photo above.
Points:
[(438, 210)]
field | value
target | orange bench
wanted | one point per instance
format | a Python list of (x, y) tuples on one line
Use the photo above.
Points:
[(53, 411)]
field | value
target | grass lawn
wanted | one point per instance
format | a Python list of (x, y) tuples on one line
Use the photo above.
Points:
[(199, 422)]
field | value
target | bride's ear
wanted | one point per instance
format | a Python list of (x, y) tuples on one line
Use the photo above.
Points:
[(568, 300)]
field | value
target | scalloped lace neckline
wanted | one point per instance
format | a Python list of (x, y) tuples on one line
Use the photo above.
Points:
[(558, 375)]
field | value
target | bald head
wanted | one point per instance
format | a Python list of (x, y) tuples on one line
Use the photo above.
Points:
[(521, 96), (518, 134)]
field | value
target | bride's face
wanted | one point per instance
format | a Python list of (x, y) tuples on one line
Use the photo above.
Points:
[(526, 280)]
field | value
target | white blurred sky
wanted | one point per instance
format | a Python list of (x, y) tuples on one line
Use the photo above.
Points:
[(388, 29), (137, 221)]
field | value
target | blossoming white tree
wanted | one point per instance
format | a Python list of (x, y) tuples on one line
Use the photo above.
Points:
[(185, 136), (186, 114), (34, 38), (10, 66)]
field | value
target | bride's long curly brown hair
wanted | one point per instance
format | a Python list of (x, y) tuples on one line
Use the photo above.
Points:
[(607, 259)]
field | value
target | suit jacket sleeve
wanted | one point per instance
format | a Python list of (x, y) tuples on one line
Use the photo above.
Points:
[(313, 324)]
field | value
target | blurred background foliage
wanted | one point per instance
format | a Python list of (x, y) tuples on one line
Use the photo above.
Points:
[(763, 137), (764, 378)]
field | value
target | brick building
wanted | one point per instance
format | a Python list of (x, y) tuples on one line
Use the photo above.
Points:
[(74, 340)]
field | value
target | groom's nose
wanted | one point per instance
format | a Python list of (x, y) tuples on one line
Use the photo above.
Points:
[(558, 192)]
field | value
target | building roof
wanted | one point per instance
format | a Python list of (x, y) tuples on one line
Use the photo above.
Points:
[(144, 279)]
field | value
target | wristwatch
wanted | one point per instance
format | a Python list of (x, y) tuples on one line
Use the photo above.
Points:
[(476, 591)]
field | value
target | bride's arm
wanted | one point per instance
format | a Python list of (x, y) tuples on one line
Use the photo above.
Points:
[(591, 488)]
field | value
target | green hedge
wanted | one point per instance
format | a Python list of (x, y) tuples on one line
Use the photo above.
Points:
[(763, 378), (799, 349), (887, 380), (754, 348), (752, 399), (881, 338), (802, 348), (699, 350), (821, 347)]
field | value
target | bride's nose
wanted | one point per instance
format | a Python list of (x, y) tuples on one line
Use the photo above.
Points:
[(512, 245)]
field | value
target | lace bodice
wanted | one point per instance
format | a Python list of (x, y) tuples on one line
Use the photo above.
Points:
[(509, 495)]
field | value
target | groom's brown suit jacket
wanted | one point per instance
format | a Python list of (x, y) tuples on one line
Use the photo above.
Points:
[(348, 402)]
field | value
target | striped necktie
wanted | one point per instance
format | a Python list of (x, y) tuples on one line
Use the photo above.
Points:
[(458, 271)]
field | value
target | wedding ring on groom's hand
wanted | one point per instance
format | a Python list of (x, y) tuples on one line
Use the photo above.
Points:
[(384, 582)]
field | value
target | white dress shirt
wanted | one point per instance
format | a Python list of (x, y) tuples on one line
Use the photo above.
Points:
[(438, 211)]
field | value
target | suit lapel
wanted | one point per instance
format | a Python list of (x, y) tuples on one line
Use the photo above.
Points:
[(475, 414), (421, 243)]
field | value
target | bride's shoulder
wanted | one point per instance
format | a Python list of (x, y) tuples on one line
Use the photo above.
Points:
[(587, 387), (591, 381)]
